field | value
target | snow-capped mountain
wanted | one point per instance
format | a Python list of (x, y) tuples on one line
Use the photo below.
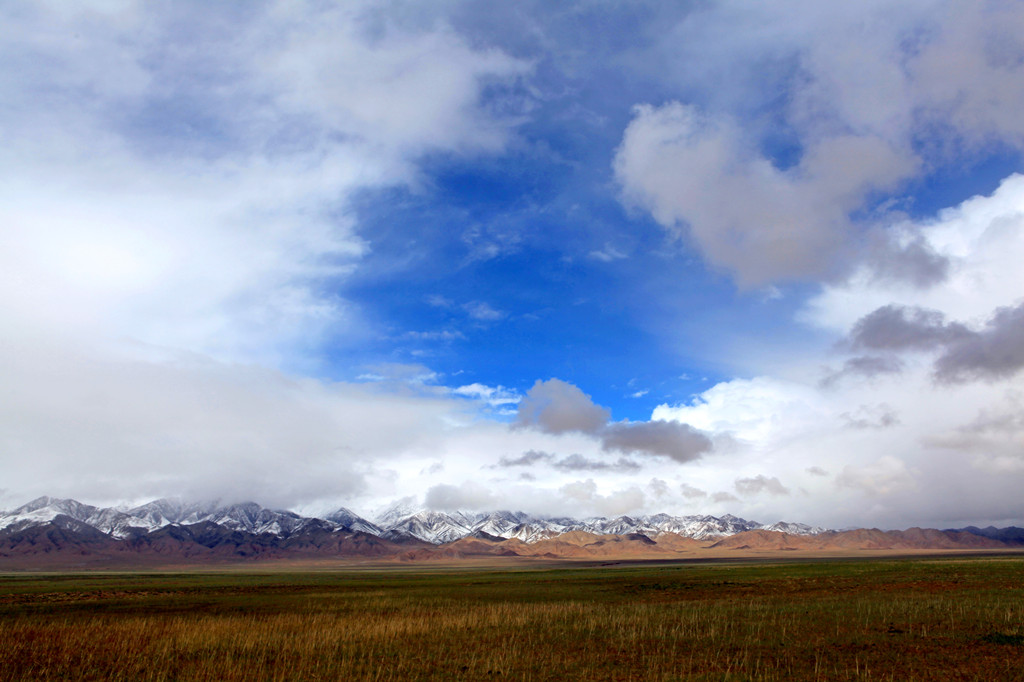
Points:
[(795, 528), (402, 522), (43, 510), (440, 527), (432, 526), (343, 518), (121, 523)]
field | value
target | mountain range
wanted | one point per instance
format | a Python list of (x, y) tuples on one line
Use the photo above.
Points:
[(401, 522), (172, 530)]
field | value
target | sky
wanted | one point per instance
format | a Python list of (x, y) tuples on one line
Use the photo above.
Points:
[(582, 258)]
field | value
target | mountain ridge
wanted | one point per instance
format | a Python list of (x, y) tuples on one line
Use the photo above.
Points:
[(63, 532), (400, 522)]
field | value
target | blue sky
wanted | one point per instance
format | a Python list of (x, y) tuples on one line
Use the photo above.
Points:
[(698, 258)]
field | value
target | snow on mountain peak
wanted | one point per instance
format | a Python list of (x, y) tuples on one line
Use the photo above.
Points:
[(404, 519)]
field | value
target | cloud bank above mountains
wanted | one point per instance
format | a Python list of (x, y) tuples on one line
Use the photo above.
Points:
[(203, 292)]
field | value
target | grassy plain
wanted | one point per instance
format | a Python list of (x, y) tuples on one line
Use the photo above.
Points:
[(913, 619)]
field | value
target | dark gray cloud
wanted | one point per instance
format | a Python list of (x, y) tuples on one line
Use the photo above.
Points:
[(817, 471), (866, 366), (581, 463), (915, 263), (555, 406), (526, 459), (993, 353), (760, 484), (573, 462), (896, 328), (681, 442)]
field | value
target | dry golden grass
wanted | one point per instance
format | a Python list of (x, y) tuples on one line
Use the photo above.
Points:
[(909, 620)]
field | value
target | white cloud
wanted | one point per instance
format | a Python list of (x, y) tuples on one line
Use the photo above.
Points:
[(984, 240), (174, 201), (680, 442), (555, 406), (196, 198), (608, 254), (699, 176), (886, 476), (495, 396), (876, 94), (760, 484), (175, 211), (903, 444), (586, 496), (115, 426), (468, 496), (395, 89), (482, 311)]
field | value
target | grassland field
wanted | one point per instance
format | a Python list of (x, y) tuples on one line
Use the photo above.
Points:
[(910, 619)]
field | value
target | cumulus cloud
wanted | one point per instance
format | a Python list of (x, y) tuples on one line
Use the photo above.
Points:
[(880, 439), (555, 406), (915, 262), (213, 225), (898, 328), (658, 487), (468, 495), (614, 503), (760, 484), (132, 427), (997, 351), (864, 366), (680, 442), (880, 416), (178, 225), (883, 477), (994, 439), (577, 462), (569, 463), (691, 492), (687, 169), (804, 432), (984, 240), (526, 459), (403, 88), (866, 111)]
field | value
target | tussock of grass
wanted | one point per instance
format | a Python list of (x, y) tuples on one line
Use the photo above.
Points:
[(842, 621)]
